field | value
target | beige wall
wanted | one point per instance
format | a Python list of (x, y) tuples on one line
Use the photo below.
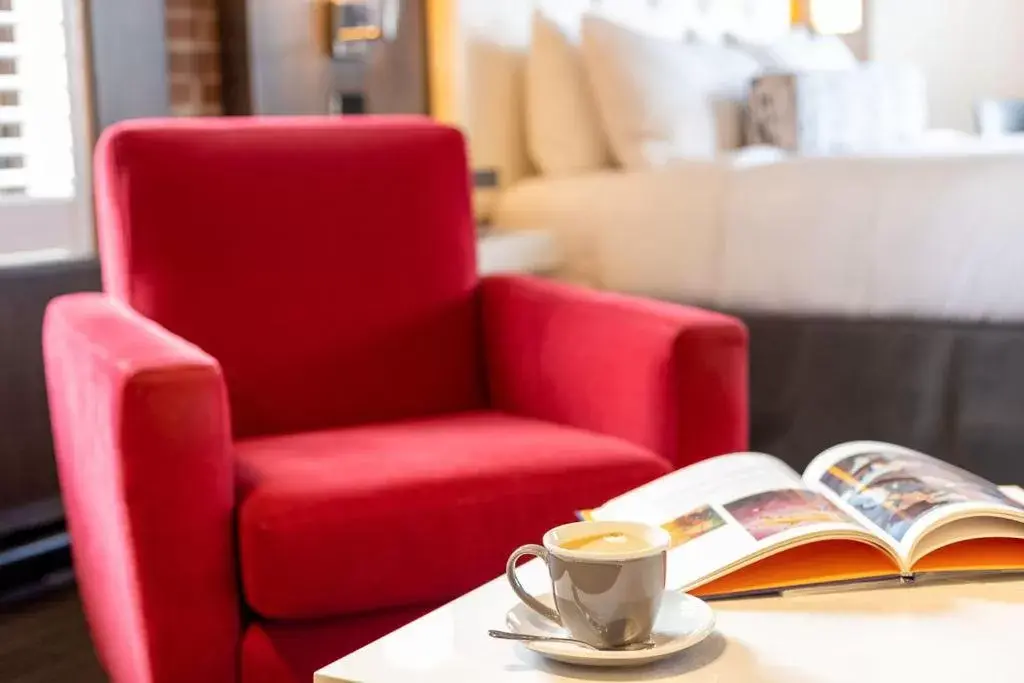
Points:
[(969, 49)]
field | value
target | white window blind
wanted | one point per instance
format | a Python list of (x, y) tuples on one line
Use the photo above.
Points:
[(44, 198)]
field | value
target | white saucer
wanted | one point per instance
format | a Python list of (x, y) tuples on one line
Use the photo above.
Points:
[(682, 622)]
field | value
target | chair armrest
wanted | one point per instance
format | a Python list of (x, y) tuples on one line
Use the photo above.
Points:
[(143, 442), (670, 378)]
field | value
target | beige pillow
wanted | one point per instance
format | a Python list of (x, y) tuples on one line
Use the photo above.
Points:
[(563, 130), (664, 100)]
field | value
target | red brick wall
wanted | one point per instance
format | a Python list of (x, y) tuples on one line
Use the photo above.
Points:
[(193, 57)]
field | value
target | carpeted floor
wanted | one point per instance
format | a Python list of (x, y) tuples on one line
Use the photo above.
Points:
[(45, 641)]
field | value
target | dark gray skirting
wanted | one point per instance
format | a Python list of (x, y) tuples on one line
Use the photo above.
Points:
[(955, 390)]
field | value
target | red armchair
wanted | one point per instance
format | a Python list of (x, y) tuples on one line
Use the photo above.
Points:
[(294, 385)]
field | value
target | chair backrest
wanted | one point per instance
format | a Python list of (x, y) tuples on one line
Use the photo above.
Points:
[(328, 264)]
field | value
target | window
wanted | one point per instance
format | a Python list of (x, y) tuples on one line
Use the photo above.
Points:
[(45, 209)]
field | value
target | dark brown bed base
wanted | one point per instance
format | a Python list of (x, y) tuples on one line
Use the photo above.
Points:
[(954, 390)]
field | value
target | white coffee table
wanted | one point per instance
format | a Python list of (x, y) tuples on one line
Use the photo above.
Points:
[(962, 633)]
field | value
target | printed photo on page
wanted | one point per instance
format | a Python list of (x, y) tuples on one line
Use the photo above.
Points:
[(861, 513), (727, 509)]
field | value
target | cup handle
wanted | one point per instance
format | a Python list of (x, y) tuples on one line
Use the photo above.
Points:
[(530, 601)]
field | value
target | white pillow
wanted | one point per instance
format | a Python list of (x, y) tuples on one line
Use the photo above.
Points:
[(800, 50), (662, 100), (563, 129)]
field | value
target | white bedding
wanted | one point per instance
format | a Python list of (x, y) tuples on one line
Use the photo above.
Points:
[(933, 233)]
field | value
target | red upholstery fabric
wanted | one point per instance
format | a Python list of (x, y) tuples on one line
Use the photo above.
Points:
[(343, 521), (141, 432), (289, 652), (328, 266), (397, 429), (670, 378)]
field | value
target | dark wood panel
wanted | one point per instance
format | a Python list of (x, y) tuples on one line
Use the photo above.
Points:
[(234, 51), (396, 78), (27, 470), (276, 61)]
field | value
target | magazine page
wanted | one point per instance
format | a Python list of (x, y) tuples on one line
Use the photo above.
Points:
[(907, 496), (727, 510)]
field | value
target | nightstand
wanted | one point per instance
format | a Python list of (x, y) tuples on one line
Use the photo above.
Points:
[(517, 251)]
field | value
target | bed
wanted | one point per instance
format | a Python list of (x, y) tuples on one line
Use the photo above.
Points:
[(851, 237), (881, 291)]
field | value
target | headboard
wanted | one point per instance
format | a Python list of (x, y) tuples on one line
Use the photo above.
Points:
[(477, 48)]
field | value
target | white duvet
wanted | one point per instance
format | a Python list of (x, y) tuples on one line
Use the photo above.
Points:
[(933, 233)]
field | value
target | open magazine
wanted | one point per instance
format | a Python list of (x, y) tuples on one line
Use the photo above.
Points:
[(864, 511)]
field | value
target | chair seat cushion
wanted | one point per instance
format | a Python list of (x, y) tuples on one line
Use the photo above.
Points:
[(349, 520)]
